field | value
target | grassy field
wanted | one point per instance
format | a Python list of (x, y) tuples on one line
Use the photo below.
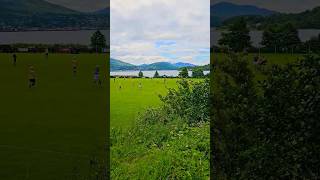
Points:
[(271, 58), (143, 146), (54, 130), (136, 159), (131, 99)]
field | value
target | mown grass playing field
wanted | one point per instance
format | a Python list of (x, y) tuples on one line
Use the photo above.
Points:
[(56, 129), (130, 158), (128, 101), (281, 59), (132, 96)]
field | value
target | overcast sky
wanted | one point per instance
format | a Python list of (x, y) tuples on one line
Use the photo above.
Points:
[(278, 5), (147, 31)]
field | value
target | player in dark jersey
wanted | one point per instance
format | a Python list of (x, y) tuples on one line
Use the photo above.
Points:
[(47, 55), (14, 56), (32, 77), (74, 66), (96, 76)]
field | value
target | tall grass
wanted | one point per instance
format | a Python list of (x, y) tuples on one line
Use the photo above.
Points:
[(164, 144)]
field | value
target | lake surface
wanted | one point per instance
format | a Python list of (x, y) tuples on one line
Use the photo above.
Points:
[(256, 36), (83, 36), (50, 37), (173, 73)]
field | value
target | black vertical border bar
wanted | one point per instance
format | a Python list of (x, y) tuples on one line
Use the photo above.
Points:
[(212, 136), (108, 143)]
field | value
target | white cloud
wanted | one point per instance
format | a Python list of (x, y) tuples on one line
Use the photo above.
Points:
[(137, 26)]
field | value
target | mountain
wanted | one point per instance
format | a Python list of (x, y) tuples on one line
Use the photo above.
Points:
[(305, 20), (182, 65), (32, 7), (158, 66), (223, 11), (117, 65), (103, 11), (23, 15)]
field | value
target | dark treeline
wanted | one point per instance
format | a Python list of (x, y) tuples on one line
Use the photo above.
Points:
[(51, 48), (282, 38), (98, 45)]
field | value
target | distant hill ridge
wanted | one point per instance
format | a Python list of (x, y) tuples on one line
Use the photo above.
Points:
[(103, 11), (43, 15), (308, 19), (30, 7), (224, 10), (117, 65)]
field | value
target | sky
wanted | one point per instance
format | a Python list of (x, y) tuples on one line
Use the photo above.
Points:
[(288, 6), (148, 31)]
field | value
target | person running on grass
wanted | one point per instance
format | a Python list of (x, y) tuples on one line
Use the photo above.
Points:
[(47, 55), (14, 56), (96, 76), (74, 66), (32, 77)]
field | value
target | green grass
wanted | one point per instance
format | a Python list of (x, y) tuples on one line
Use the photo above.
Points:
[(130, 100), (271, 58), (158, 150), (159, 145), (55, 129)]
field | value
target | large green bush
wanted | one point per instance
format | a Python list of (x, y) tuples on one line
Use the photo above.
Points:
[(269, 129)]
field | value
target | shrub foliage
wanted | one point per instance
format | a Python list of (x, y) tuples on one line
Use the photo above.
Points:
[(267, 129), (169, 142)]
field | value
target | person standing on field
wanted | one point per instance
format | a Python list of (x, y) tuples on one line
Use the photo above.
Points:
[(96, 76), (14, 56), (74, 66), (32, 77), (46, 54)]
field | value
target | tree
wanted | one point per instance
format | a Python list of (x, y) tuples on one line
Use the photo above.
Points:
[(156, 74), (313, 45), (184, 73), (232, 97), (140, 74), (290, 37), (238, 38), (271, 38), (98, 41), (197, 73), (281, 37)]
